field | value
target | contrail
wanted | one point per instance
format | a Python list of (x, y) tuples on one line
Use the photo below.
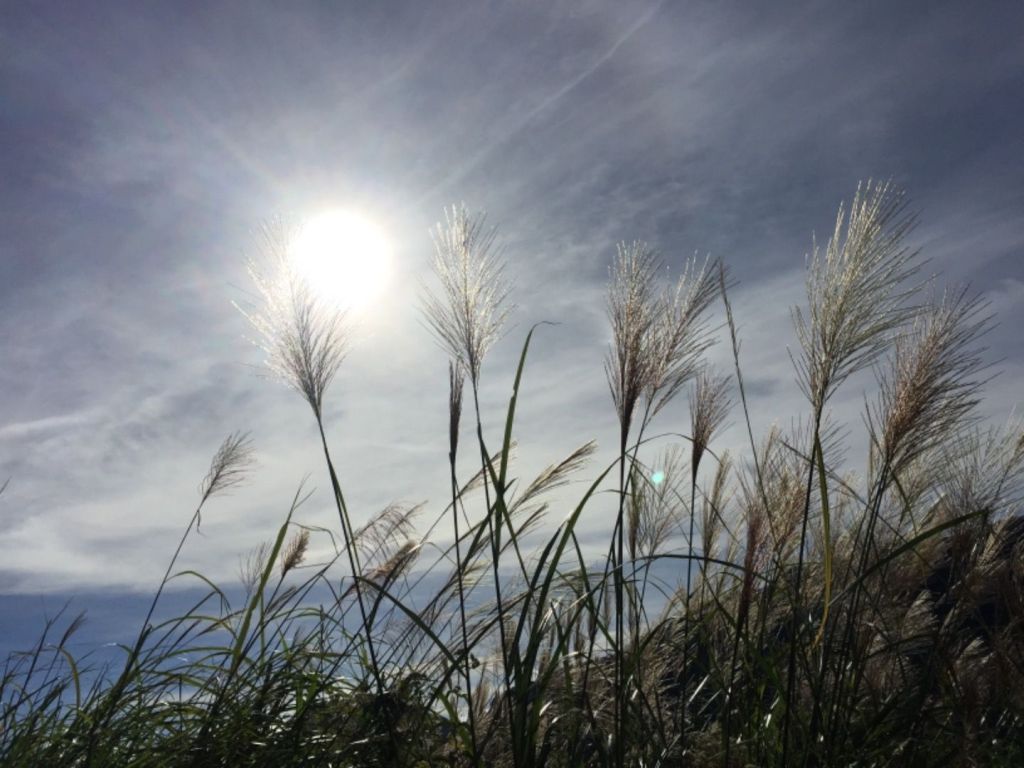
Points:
[(517, 126)]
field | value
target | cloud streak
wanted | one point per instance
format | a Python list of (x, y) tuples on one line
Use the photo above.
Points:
[(144, 150)]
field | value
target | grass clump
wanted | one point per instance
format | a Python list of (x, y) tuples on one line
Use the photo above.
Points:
[(777, 610)]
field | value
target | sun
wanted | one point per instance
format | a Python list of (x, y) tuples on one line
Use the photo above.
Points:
[(344, 257)]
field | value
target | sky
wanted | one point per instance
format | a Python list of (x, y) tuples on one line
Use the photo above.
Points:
[(143, 144)]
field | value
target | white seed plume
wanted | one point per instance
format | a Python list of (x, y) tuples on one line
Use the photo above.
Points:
[(304, 338), (657, 340), (856, 291), (467, 315)]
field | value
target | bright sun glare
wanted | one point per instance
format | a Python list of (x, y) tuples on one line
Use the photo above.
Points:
[(344, 256)]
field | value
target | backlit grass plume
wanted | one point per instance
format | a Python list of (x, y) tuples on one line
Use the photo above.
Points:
[(679, 335), (229, 466), (709, 406), (857, 291), (932, 380), (469, 311), (305, 339), (631, 312)]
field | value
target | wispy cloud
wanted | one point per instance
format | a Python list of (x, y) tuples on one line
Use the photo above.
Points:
[(145, 147)]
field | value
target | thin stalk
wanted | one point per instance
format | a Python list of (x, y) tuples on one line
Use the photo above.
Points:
[(167, 575), (494, 532), (686, 620), (462, 609), (874, 512), (735, 345), (797, 609), (619, 584), (353, 555)]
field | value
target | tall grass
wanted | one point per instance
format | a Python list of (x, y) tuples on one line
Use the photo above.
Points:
[(776, 609)]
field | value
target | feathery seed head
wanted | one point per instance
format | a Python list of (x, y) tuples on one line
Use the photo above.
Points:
[(228, 466), (855, 290), (714, 507), (467, 314), (753, 553), (556, 475), (632, 316), (305, 339), (386, 530), (251, 567), (295, 551), (931, 384), (679, 337), (709, 405), (398, 563), (657, 340), (654, 510), (456, 378)]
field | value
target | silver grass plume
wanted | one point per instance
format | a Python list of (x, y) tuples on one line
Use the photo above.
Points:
[(776, 493), (478, 478), (390, 527), (855, 290), (984, 469), (555, 475), (456, 379), (295, 551), (931, 384), (712, 511), (631, 312), (396, 564), (709, 405), (658, 506), (752, 561), (679, 335), (657, 339), (228, 467), (857, 298), (252, 565), (305, 339), (467, 314)]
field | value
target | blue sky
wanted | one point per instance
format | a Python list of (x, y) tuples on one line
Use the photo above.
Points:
[(142, 144)]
